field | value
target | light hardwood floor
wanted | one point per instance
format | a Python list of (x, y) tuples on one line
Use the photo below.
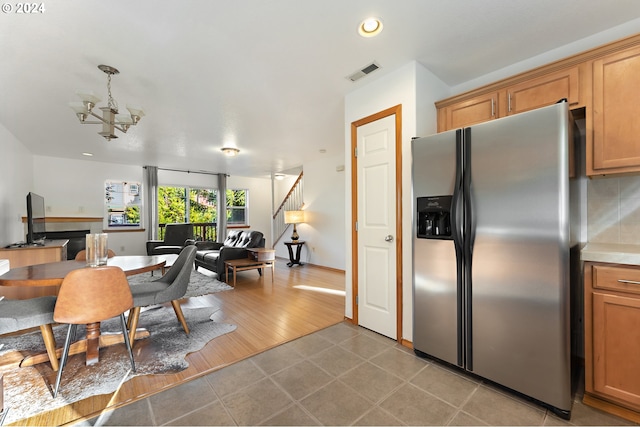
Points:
[(266, 316)]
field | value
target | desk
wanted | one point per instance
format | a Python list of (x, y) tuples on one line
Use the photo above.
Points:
[(45, 279), (293, 260)]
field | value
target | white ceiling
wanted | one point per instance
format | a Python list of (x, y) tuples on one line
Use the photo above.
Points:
[(267, 76)]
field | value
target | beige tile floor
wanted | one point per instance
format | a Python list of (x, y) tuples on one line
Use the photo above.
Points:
[(342, 375)]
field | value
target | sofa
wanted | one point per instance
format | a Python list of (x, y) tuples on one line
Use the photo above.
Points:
[(176, 237), (212, 255)]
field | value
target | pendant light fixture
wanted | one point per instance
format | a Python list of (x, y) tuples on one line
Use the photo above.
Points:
[(110, 119)]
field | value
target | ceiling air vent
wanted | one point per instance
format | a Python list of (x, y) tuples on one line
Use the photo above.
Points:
[(363, 72)]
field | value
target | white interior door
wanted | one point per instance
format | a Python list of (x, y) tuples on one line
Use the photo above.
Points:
[(376, 159)]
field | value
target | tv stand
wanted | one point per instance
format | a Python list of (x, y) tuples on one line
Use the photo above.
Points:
[(29, 254)]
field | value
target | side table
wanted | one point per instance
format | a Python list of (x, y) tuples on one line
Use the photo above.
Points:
[(298, 245), (258, 260)]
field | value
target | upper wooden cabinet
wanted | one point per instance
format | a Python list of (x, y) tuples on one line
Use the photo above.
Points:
[(543, 91), (616, 104), (526, 95), (603, 83), (470, 112)]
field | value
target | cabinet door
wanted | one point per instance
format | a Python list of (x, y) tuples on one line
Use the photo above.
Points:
[(616, 97), (616, 347), (543, 91), (476, 110)]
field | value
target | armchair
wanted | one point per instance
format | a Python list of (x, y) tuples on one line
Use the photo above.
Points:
[(212, 255), (176, 237)]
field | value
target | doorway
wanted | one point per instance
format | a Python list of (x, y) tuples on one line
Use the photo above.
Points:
[(377, 222)]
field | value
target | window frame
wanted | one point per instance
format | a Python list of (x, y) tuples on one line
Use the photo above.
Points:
[(113, 209), (245, 208)]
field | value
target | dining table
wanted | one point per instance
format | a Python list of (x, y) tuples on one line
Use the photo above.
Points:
[(45, 279)]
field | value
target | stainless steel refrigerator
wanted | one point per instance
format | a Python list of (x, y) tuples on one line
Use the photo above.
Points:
[(491, 251)]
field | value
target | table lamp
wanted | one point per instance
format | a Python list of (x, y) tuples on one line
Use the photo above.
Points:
[(294, 217)]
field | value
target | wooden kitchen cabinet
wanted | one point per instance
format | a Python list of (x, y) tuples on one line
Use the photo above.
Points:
[(469, 112), (542, 91), (527, 94), (616, 128), (603, 84), (612, 338)]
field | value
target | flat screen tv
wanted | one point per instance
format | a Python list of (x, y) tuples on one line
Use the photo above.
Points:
[(35, 219)]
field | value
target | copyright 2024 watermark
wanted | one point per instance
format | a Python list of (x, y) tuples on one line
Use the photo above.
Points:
[(23, 8)]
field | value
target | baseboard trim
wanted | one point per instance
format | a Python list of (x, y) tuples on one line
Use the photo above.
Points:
[(611, 408), (324, 267)]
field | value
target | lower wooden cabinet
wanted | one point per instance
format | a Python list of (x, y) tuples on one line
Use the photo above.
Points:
[(612, 338)]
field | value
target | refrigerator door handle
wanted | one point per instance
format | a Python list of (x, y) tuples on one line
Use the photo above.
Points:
[(457, 231), (469, 232)]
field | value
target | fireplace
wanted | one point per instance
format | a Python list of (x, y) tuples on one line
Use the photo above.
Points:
[(77, 239)]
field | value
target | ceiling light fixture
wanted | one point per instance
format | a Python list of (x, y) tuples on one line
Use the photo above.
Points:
[(110, 119), (278, 176), (230, 151), (370, 27)]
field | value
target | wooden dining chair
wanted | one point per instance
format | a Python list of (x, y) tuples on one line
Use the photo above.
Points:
[(89, 296), (168, 288), (82, 255), (18, 315)]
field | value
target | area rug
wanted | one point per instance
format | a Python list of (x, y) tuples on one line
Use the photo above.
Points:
[(27, 391), (199, 284)]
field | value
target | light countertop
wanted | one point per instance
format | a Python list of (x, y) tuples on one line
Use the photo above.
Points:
[(617, 253)]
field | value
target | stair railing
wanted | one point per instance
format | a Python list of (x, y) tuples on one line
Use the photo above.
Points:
[(293, 201)]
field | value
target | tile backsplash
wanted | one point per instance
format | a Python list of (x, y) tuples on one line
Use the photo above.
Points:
[(613, 210)]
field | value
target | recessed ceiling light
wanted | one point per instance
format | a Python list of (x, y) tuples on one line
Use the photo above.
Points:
[(370, 27), (230, 151), (87, 154)]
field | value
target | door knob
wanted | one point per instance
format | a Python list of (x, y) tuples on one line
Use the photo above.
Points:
[(389, 238)]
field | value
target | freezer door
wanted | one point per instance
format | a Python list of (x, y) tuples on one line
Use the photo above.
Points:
[(520, 251), (435, 299)]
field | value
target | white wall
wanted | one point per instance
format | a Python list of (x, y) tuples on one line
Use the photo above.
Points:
[(323, 231), (16, 180), (259, 203), (75, 188), (416, 89)]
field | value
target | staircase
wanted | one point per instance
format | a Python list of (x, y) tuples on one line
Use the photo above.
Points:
[(293, 201)]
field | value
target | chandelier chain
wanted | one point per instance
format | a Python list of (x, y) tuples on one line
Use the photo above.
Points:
[(111, 103)]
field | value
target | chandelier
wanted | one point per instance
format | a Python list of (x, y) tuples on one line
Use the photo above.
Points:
[(110, 119)]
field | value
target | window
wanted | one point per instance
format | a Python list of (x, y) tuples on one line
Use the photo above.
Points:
[(237, 207), (203, 205), (199, 206), (172, 205), (123, 204)]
